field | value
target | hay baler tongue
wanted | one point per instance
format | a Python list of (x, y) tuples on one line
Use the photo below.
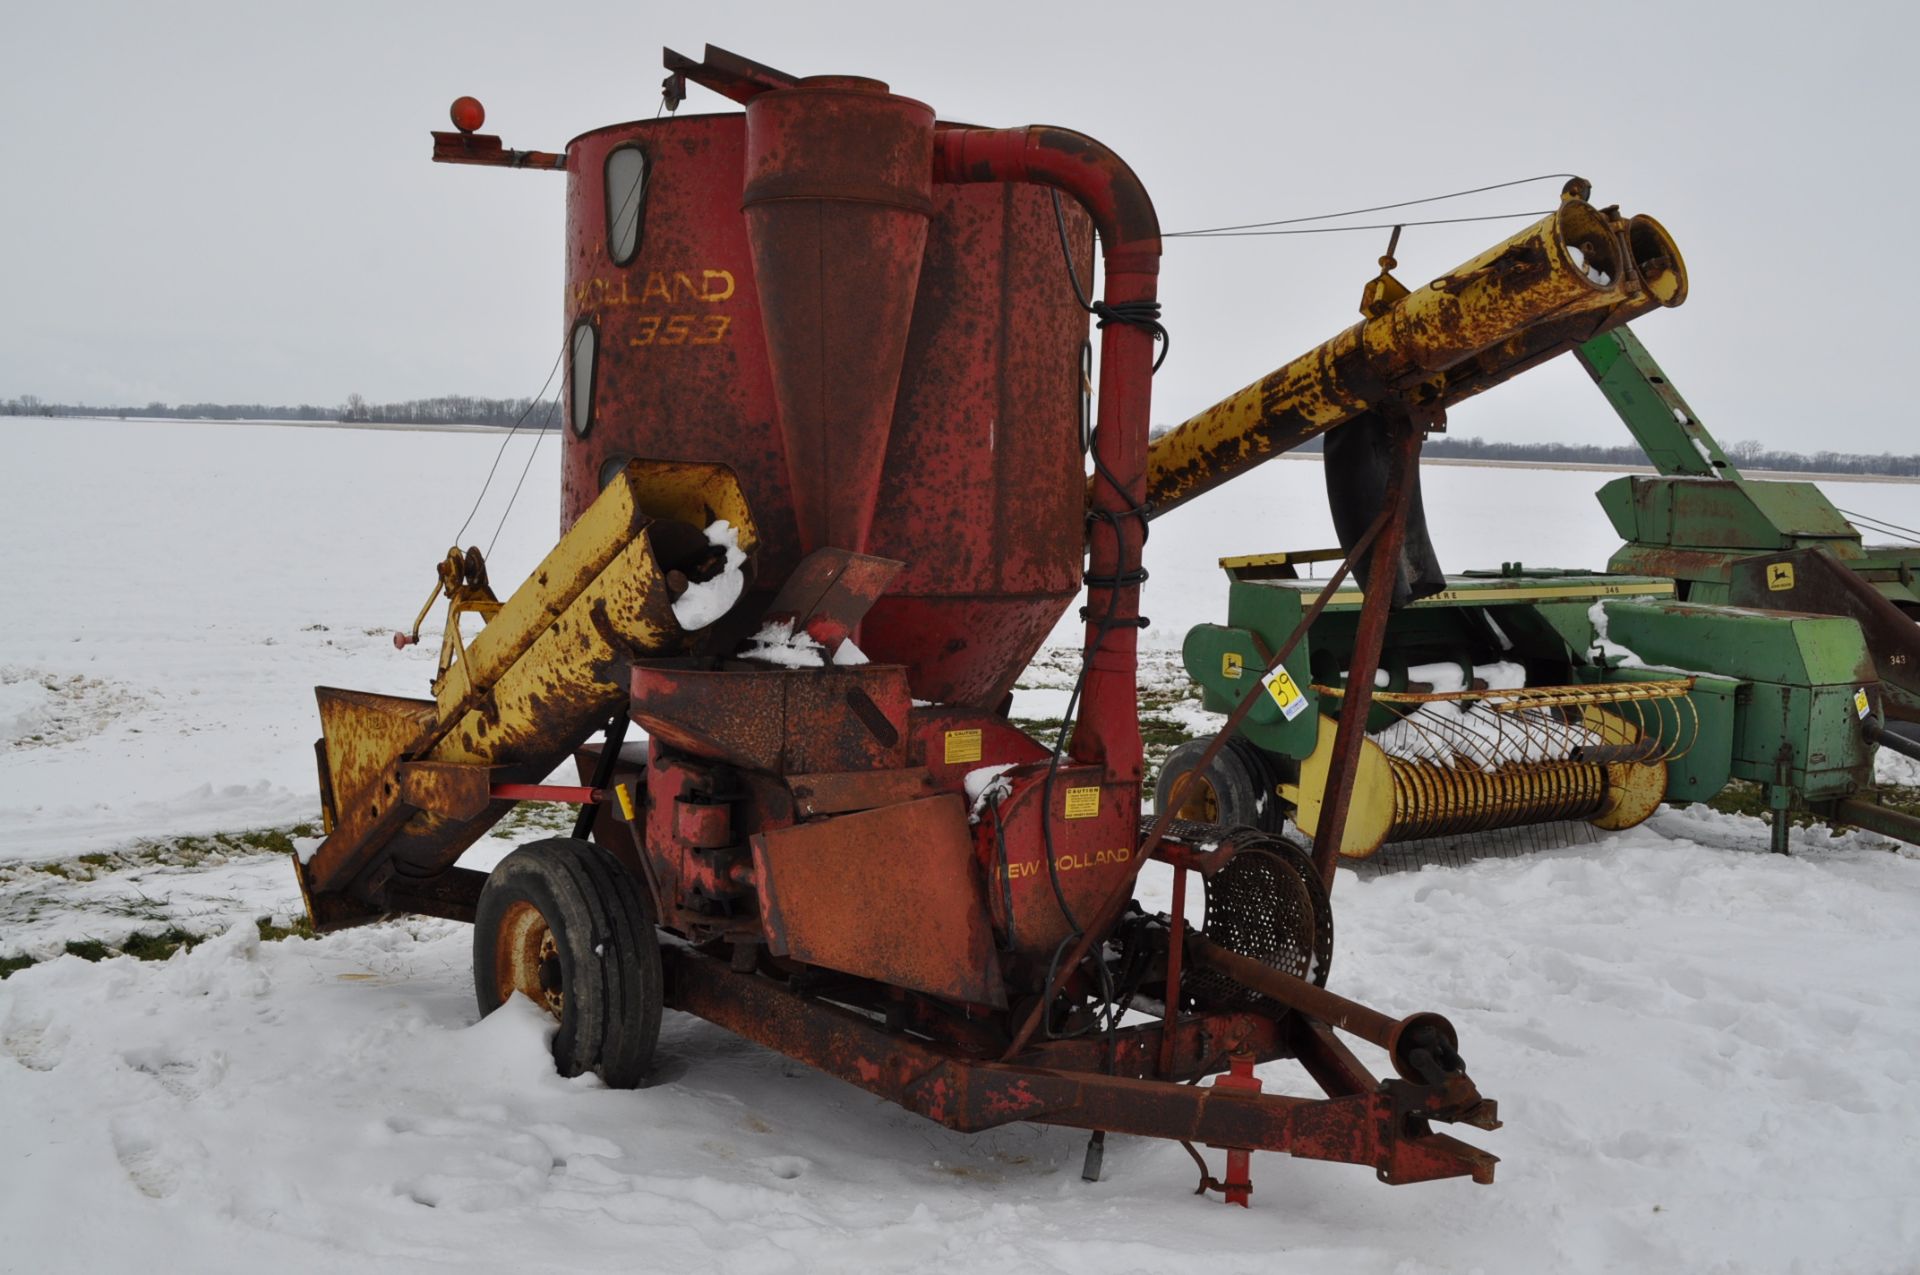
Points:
[(834, 841)]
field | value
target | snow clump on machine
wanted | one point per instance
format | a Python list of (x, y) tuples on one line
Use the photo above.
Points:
[(707, 600)]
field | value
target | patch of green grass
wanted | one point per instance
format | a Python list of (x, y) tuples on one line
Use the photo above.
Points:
[(537, 816), (1159, 732), (1743, 798), (14, 964), (1045, 729), (88, 949), (158, 947), (267, 840), (1895, 797), (190, 850), (1155, 697), (301, 928)]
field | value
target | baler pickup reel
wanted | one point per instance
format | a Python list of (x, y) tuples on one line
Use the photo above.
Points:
[(1452, 763)]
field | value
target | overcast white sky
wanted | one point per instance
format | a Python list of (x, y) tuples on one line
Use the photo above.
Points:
[(233, 202)]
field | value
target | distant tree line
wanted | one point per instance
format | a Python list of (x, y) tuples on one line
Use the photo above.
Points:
[(1746, 454), (466, 409), (448, 409)]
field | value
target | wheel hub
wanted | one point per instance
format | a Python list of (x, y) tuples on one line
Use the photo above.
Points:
[(526, 959), (1200, 804)]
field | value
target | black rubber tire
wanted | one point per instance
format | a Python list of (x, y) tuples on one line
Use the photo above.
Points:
[(1241, 780), (608, 954)]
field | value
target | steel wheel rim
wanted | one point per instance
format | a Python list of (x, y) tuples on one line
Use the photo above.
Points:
[(526, 959), (1202, 803)]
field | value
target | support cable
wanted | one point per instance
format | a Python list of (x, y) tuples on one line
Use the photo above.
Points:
[(1355, 212)]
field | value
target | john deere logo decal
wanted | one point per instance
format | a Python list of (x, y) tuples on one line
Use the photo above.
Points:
[(1779, 576)]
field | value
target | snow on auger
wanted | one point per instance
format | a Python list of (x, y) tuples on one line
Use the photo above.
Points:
[(825, 495)]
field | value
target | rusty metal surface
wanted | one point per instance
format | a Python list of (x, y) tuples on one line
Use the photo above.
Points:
[(695, 884), (727, 73), (523, 694), (1403, 354), (784, 721), (979, 494), (484, 148), (1384, 553), (838, 171), (1871, 815), (1267, 905), (837, 793), (362, 733), (1384, 1126), (889, 894), (453, 790), (1396, 1036), (1161, 829), (1090, 852), (828, 594)]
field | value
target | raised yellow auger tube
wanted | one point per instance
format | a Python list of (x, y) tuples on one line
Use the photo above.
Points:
[(1575, 273)]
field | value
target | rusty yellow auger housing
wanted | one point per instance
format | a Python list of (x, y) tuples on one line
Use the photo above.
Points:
[(1574, 274), (407, 784)]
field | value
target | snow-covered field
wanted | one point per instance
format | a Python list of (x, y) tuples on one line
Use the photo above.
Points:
[(1704, 1054)]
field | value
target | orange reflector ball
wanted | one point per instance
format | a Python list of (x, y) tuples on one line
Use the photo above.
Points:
[(468, 114)]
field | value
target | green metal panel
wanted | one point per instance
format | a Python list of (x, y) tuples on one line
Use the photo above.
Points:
[(1894, 570), (1704, 769), (1801, 511), (1616, 498), (1700, 511), (1659, 419), (1838, 761), (1801, 672), (1226, 661)]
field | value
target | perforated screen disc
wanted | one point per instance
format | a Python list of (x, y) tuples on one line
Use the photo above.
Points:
[(1267, 903)]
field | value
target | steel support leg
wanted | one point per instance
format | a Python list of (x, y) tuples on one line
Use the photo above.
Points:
[(1382, 566)]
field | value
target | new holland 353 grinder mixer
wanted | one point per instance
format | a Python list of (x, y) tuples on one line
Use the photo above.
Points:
[(825, 493)]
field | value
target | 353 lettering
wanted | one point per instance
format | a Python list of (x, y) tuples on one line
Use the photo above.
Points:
[(680, 329)]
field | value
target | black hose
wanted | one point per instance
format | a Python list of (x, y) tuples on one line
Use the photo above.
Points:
[(603, 771), (1878, 734)]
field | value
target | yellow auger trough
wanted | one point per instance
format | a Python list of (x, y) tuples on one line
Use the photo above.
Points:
[(407, 784)]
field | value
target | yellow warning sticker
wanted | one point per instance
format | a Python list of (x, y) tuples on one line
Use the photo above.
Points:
[(1779, 576), (1083, 803), (1232, 665), (1285, 693), (1861, 706), (963, 745)]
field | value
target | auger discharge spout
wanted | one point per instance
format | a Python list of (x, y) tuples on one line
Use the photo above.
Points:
[(1575, 273)]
